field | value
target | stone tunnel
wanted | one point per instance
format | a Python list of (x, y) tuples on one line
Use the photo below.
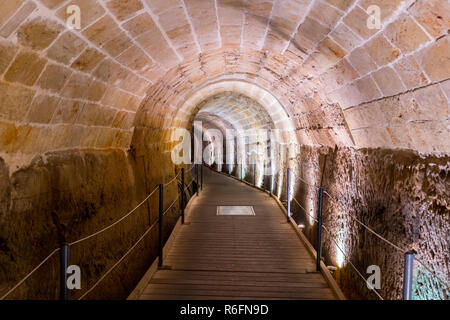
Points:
[(88, 115)]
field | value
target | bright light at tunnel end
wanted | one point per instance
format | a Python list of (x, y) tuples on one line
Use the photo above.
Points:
[(246, 148)]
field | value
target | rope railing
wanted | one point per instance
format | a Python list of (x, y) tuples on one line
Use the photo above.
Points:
[(116, 222), (351, 264), (337, 245), (119, 261), (29, 274), (368, 228), (273, 188), (389, 242), (185, 188)]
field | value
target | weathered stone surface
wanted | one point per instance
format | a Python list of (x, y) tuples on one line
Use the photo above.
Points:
[(67, 111), (434, 59), (434, 15), (77, 86), (38, 33), (7, 52), (17, 19), (123, 9), (26, 68), (405, 34), (102, 31), (381, 51), (67, 47), (129, 76), (54, 77), (389, 186), (15, 101), (388, 81), (88, 60), (8, 9), (42, 109), (362, 61), (410, 72), (66, 196)]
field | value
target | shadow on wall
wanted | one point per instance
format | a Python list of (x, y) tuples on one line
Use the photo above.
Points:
[(401, 195)]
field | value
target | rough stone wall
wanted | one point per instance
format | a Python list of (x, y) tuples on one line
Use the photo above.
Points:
[(64, 196), (400, 194)]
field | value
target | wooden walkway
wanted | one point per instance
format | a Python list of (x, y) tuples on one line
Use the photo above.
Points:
[(236, 257)]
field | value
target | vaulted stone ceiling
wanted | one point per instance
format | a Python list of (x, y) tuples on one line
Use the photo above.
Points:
[(134, 63)]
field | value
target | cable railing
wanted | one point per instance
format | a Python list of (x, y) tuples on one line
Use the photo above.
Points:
[(64, 247), (416, 258), (409, 255)]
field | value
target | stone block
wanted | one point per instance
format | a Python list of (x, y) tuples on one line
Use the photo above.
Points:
[(410, 72), (388, 81), (357, 21), (118, 45), (54, 77), (139, 24), (405, 34), (38, 33), (52, 3), (96, 115), (8, 51), (26, 68), (361, 61), (368, 88), (9, 7), (102, 31), (15, 101), (96, 91), (67, 111), (66, 48), (435, 61), (341, 4), (325, 14), (433, 15), (345, 37), (77, 87), (42, 108), (124, 9), (88, 60), (17, 19), (381, 51), (433, 104)]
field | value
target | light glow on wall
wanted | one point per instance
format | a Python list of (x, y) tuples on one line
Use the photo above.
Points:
[(340, 247), (311, 211)]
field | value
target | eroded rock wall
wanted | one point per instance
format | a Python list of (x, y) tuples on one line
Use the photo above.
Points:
[(400, 194), (64, 196)]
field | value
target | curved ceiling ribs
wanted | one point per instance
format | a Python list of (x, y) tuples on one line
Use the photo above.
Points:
[(134, 64)]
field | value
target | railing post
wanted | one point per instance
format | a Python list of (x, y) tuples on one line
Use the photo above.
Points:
[(254, 174), (408, 275), (183, 196), (63, 265), (288, 194), (319, 230), (160, 225)]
